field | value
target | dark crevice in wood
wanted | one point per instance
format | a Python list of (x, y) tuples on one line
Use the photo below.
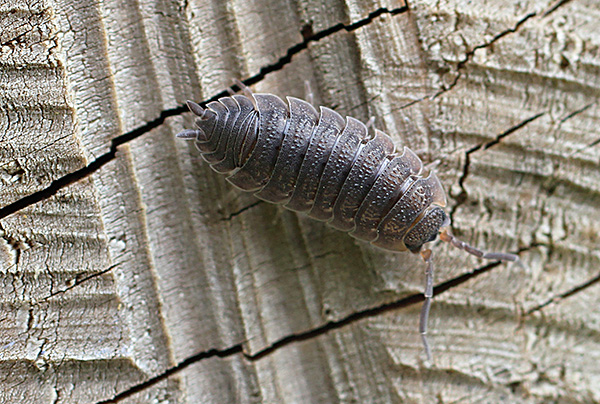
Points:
[(375, 311), (552, 9), (307, 335), (444, 286), (334, 325), (564, 295), (294, 50), (594, 143), (496, 38), (33, 21), (511, 131), (58, 396), (577, 112), (91, 168), (99, 162), (463, 195), (468, 55), (218, 353), (78, 282), (242, 210), (571, 116)]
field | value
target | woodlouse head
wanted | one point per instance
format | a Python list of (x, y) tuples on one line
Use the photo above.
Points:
[(427, 229), (427, 192)]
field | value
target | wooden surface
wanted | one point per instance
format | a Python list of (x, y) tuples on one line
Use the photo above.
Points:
[(147, 278)]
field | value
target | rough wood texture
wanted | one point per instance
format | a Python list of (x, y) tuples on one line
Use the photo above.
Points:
[(153, 280)]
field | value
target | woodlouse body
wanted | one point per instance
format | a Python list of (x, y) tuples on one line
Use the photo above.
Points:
[(331, 168)]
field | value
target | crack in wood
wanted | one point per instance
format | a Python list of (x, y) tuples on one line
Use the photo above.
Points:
[(43, 17), (462, 197), (496, 38), (461, 64), (510, 131), (555, 7), (78, 282), (572, 115), (294, 50), (58, 396), (577, 112), (592, 144), (219, 353), (240, 211), (91, 168), (561, 296), (99, 162), (307, 335)]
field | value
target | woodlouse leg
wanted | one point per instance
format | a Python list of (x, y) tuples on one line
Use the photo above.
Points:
[(428, 258), (432, 166), (309, 94), (498, 256), (371, 130), (243, 88)]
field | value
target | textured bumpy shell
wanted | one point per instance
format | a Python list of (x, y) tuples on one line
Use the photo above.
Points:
[(319, 163)]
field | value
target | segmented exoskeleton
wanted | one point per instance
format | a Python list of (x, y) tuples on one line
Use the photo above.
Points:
[(333, 169)]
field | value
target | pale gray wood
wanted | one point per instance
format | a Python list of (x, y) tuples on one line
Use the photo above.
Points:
[(155, 258)]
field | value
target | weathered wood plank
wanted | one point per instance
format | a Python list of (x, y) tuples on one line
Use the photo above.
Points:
[(154, 259)]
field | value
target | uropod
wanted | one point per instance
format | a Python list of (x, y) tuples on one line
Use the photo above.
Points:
[(335, 170)]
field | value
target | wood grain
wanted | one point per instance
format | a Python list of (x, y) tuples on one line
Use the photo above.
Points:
[(153, 280)]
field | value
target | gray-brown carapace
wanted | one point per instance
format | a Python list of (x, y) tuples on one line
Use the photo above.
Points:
[(336, 170)]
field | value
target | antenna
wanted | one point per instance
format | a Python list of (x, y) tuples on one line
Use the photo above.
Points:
[(449, 238)]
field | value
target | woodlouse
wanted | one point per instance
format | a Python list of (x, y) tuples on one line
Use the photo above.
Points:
[(333, 169)]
